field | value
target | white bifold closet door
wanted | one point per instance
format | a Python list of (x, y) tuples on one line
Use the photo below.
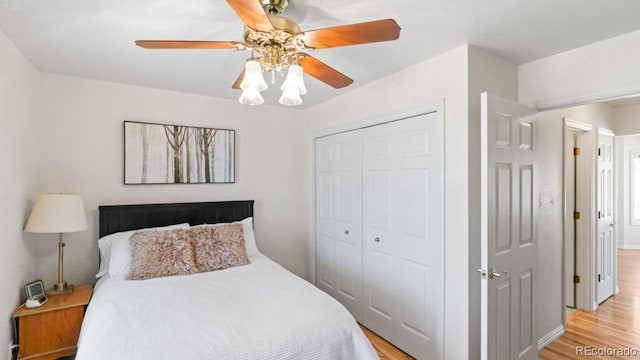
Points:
[(380, 229), (403, 237), (339, 219)]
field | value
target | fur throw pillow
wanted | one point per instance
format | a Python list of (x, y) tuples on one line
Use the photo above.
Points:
[(161, 253), (219, 246)]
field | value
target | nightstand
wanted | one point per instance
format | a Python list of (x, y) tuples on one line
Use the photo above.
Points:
[(51, 331)]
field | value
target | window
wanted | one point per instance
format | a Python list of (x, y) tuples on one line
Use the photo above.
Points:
[(635, 188)]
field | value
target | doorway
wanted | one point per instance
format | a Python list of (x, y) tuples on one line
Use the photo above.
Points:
[(589, 219), (629, 192), (572, 215), (582, 188)]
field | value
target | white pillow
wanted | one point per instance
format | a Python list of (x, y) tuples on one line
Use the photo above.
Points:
[(249, 236), (105, 244)]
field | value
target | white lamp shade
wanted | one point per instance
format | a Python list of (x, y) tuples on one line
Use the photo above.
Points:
[(253, 77), (295, 79), (57, 213), (251, 96), (290, 97)]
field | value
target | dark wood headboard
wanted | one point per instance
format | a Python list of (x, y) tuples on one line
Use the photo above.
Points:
[(117, 218)]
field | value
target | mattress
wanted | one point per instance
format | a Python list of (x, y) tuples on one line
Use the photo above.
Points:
[(253, 312)]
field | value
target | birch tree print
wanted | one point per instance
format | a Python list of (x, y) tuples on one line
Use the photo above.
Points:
[(188, 154), (175, 137), (144, 134), (205, 141), (168, 154)]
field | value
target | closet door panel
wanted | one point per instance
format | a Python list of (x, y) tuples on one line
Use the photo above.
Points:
[(339, 219), (348, 228), (379, 187), (325, 215), (420, 228), (403, 204), (414, 273)]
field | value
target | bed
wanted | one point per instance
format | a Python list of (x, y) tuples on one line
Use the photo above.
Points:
[(256, 311)]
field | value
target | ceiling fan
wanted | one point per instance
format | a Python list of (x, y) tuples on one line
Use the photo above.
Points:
[(281, 45)]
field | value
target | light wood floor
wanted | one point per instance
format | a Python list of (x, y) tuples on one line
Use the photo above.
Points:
[(385, 350), (616, 323)]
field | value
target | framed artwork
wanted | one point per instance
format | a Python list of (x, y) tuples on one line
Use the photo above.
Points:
[(175, 154)]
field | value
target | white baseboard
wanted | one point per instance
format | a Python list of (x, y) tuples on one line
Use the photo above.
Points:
[(550, 337), (629, 247)]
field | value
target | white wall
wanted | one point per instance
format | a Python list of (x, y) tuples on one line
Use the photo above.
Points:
[(80, 139), (18, 80), (628, 234), (596, 71), (427, 83), (490, 73), (550, 304), (626, 120)]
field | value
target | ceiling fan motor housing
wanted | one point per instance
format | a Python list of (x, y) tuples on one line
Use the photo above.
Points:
[(278, 47), (274, 6)]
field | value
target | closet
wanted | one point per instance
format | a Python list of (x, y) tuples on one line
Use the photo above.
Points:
[(379, 228)]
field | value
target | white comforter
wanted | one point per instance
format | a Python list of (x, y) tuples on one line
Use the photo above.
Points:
[(252, 312)]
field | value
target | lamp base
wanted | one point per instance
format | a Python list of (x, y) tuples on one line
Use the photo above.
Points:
[(59, 289)]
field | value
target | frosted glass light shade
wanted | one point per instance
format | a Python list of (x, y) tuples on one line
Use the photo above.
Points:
[(57, 213), (251, 96), (290, 97), (295, 79), (253, 77)]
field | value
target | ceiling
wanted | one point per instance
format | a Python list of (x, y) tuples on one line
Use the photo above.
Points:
[(95, 39)]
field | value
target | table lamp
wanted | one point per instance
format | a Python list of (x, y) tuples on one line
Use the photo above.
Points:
[(57, 213)]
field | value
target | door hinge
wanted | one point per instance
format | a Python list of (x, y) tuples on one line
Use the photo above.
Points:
[(576, 151), (576, 215), (599, 278), (576, 279), (599, 151), (599, 214)]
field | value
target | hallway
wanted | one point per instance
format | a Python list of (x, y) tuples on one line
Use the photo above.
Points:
[(616, 324)]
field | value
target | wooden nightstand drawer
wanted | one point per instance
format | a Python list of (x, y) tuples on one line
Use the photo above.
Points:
[(52, 331)]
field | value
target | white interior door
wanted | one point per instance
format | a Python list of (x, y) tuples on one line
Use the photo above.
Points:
[(570, 222), (509, 220), (339, 218), (403, 237), (605, 244)]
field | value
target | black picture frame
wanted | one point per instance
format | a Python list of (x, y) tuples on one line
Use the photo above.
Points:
[(201, 160)]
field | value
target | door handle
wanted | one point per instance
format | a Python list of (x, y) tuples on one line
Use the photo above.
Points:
[(377, 239), (613, 224), (493, 274), (346, 232)]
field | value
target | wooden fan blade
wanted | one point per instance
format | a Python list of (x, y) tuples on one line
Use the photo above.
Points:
[(324, 72), (252, 14), (236, 85), (180, 44), (354, 34)]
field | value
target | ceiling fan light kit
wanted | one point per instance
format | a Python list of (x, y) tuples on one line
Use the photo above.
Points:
[(253, 77), (282, 45), (251, 96), (293, 87), (294, 80)]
